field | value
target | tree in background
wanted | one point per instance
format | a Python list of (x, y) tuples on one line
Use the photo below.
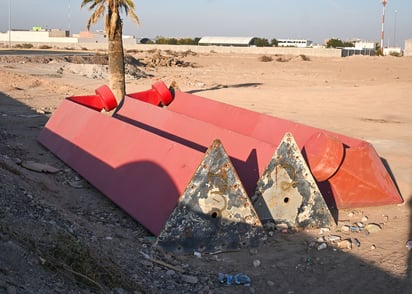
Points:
[(260, 42), (274, 42), (113, 27), (337, 43)]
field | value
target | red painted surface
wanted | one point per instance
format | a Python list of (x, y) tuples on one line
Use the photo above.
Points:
[(104, 99), (143, 158), (158, 95), (141, 172), (324, 155), (107, 97), (91, 101), (362, 180), (249, 155), (250, 123), (369, 173)]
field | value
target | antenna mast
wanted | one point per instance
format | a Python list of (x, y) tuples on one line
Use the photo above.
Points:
[(383, 22), (68, 17)]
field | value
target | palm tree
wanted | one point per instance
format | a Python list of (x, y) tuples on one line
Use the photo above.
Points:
[(113, 27)]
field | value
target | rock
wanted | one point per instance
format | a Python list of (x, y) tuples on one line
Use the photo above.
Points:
[(324, 230), (256, 263), (373, 228), (270, 283), (345, 228), (344, 244), (39, 167), (253, 251), (322, 246), (334, 238), (320, 239), (190, 279)]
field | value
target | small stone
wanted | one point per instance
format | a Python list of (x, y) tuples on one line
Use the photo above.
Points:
[(197, 254), (253, 251), (312, 244), (409, 244), (357, 243), (351, 214), (170, 272), (190, 279), (373, 247), (269, 226), (324, 230), (322, 246), (320, 239), (344, 244), (270, 283), (256, 263), (281, 226), (385, 218), (364, 219), (345, 228), (373, 228), (334, 238)]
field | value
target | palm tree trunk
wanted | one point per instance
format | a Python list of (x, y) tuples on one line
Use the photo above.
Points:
[(117, 81)]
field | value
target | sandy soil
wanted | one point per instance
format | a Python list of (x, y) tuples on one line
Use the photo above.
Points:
[(58, 234)]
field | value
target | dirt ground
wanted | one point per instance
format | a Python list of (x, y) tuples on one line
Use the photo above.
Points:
[(60, 235)]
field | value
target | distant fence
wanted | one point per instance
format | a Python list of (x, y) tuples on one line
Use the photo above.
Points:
[(312, 52), (355, 51)]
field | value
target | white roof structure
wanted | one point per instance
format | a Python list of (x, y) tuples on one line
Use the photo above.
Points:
[(226, 41)]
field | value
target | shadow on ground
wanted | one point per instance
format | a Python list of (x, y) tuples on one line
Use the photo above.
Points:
[(219, 87)]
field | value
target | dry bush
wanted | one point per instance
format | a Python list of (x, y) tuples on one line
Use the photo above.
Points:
[(265, 58), (305, 57)]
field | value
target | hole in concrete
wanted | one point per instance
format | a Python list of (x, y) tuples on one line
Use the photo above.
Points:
[(286, 199), (214, 214)]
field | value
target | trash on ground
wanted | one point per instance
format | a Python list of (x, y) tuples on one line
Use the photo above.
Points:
[(237, 279)]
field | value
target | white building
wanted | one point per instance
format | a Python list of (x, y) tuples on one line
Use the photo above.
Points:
[(56, 38), (299, 43)]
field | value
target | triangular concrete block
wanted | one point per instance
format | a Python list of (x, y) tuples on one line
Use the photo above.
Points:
[(287, 195), (214, 213)]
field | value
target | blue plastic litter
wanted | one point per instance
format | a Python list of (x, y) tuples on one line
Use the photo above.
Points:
[(238, 279)]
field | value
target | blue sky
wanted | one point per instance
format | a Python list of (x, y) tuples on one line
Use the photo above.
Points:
[(315, 20)]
